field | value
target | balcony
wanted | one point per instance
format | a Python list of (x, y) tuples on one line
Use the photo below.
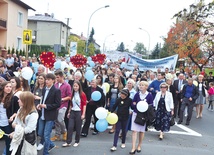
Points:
[(3, 24)]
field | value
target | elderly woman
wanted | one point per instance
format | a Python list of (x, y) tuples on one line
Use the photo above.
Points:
[(201, 100), (164, 106), (130, 86), (143, 94)]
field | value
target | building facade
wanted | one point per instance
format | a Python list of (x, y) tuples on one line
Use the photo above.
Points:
[(13, 21), (46, 30)]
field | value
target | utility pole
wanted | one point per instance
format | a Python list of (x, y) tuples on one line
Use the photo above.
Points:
[(67, 34)]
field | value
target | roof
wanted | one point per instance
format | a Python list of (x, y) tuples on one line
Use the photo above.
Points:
[(22, 4), (45, 18)]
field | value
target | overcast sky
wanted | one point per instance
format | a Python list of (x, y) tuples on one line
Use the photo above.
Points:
[(123, 18)]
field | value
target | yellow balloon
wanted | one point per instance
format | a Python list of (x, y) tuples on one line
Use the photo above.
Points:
[(107, 86), (112, 118)]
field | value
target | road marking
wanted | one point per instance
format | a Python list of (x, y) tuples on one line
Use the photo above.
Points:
[(189, 131)]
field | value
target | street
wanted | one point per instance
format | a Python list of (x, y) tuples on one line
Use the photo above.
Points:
[(195, 139)]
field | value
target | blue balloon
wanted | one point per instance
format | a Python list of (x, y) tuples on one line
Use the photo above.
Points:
[(91, 63), (68, 59), (96, 95), (89, 59), (122, 65), (57, 65), (88, 68), (89, 75), (101, 125)]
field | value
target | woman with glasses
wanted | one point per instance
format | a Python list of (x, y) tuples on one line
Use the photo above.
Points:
[(164, 106)]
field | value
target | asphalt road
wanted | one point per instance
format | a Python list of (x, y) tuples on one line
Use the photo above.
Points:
[(195, 139)]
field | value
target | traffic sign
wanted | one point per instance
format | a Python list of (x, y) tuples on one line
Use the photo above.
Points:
[(27, 37)]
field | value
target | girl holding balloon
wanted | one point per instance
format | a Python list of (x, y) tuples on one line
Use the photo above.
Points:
[(76, 113), (122, 105), (113, 95), (142, 95)]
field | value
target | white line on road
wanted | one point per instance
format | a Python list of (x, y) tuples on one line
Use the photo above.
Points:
[(189, 131)]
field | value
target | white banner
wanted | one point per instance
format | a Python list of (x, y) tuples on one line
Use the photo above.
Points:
[(152, 64), (73, 48)]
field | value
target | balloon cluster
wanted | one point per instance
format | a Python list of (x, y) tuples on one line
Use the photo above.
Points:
[(78, 60), (105, 118), (48, 59), (100, 58)]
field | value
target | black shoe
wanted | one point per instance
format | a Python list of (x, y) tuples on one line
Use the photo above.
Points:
[(138, 151), (111, 132), (94, 133), (132, 152), (187, 123), (179, 122), (83, 134)]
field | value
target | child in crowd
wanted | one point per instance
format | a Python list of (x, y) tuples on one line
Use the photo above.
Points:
[(211, 95), (122, 105)]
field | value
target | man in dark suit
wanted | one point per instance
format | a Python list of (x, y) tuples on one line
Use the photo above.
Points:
[(91, 107), (188, 97), (178, 84), (51, 99)]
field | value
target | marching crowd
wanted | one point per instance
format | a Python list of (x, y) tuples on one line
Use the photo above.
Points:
[(61, 99)]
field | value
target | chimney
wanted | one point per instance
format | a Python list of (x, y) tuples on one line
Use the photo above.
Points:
[(47, 15), (81, 34)]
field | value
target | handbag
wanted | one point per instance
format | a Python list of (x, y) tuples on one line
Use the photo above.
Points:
[(172, 121), (140, 118)]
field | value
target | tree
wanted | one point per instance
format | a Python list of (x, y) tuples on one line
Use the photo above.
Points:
[(121, 47), (191, 35), (156, 52), (91, 37), (97, 51), (81, 47), (140, 48)]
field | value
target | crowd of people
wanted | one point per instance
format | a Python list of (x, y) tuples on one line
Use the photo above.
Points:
[(61, 100)]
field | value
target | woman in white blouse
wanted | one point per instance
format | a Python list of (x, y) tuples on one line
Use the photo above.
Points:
[(27, 117), (164, 106)]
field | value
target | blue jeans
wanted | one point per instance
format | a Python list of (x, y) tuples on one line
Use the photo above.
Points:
[(44, 131), (7, 130)]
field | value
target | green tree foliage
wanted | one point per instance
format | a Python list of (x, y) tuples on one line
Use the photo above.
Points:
[(97, 51), (13, 50), (121, 47), (81, 47), (140, 48), (156, 52), (91, 37)]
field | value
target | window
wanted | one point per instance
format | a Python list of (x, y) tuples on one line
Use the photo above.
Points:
[(63, 34), (34, 34), (20, 19), (19, 43)]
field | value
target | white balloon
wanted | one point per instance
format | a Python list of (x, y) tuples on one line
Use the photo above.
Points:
[(101, 113), (142, 106), (27, 73)]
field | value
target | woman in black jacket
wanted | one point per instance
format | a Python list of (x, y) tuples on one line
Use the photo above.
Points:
[(122, 105)]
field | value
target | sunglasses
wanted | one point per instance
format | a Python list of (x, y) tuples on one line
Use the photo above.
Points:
[(163, 87)]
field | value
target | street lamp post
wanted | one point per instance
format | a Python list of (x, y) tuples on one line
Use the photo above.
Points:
[(86, 49), (149, 39), (105, 41)]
